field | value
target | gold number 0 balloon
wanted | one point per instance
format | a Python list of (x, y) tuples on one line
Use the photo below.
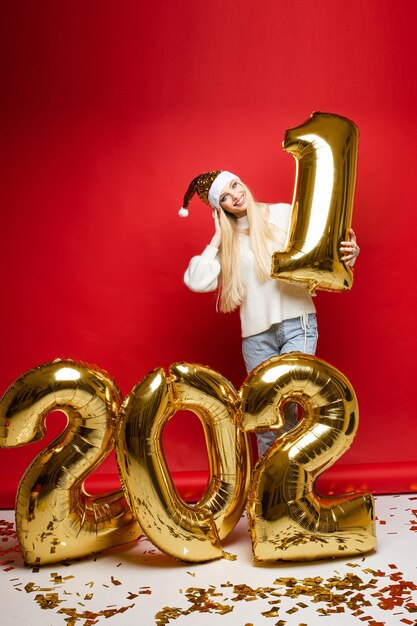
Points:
[(287, 519), (325, 148), (55, 518), (185, 532)]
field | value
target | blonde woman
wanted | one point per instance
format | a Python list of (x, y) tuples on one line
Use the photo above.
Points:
[(276, 317)]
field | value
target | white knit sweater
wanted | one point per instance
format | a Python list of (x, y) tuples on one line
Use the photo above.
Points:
[(265, 303)]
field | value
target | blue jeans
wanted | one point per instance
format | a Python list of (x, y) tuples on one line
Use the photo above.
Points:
[(287, 336)]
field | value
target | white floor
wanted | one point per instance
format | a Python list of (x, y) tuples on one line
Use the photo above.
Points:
[(138, 585)]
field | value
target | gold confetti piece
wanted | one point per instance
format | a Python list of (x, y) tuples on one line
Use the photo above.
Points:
[(322, 611), (48, 601), (56, 579)]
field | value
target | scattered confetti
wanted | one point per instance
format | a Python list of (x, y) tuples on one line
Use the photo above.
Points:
[(337, 593), (362, 592), (201, 602)]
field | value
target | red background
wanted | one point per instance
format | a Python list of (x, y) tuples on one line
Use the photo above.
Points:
[(110, 108)]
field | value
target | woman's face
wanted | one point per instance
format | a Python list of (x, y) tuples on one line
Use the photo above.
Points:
[(233, 198)]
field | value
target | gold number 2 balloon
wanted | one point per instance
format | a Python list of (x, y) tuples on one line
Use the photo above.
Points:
[(325, 149), (190, 533), (287, 519), (55, 518)]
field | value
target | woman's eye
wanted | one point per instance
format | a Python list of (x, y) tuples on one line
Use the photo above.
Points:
[(234, 185)]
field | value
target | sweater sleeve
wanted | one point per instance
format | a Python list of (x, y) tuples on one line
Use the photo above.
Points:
[(281, 215), (203, 271)]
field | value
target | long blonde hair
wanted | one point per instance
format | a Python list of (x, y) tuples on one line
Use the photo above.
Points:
[(261, 233)]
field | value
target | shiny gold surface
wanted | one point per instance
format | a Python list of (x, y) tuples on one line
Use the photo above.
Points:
[(55, 518), (325, 148), (183, 531), (287, 519), (213, 399)]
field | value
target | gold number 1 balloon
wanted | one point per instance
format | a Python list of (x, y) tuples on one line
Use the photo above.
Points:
[(55, 518), (288, 520), (325, 149)]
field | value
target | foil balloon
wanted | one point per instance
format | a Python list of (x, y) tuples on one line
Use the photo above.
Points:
[(213, 399), (55, 518), (178, 529), (287, 519), (325, 148)]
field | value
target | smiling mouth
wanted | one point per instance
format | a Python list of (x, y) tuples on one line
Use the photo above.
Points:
[(240, 201)]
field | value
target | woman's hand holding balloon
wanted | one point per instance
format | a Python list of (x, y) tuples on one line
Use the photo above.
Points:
[(350, 249)]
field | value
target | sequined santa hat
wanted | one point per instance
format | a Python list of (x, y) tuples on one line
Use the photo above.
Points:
[(208, 186)]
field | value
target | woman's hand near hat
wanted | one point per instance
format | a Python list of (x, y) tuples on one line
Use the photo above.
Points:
[(217, 237)]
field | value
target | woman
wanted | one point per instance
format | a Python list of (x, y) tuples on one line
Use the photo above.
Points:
[(276, 317)]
